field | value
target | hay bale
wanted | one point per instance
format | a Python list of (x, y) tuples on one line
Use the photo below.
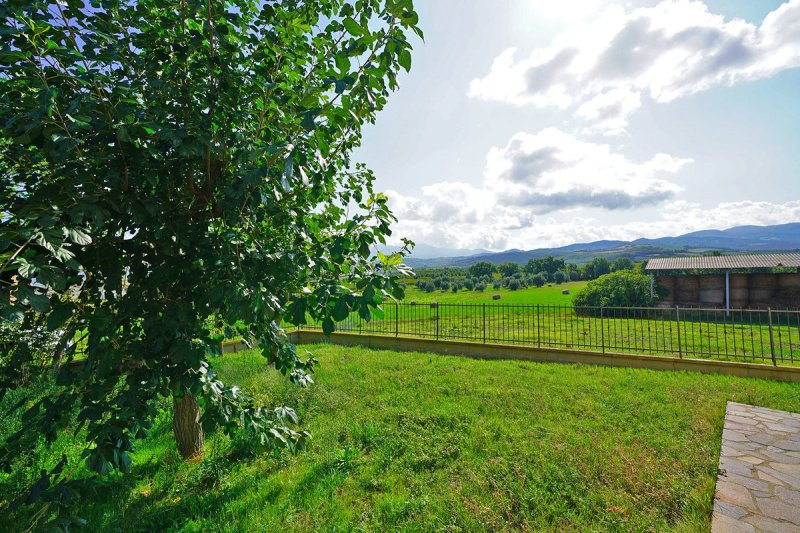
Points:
[(738, 281), (789, 281), (739, 297), (763, 281), (496, 297), (565, 291), (711, 282), (712, 296)]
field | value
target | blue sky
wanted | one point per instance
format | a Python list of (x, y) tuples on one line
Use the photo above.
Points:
[(608, 121)]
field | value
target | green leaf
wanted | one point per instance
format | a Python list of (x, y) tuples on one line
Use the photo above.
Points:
[(405, 60), (340, 310), (353, 27)]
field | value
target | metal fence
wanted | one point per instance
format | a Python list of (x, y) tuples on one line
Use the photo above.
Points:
[(753, 335)]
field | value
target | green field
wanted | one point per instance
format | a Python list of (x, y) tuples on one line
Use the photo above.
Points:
[(547, 295), (423, 442), (544, 317)]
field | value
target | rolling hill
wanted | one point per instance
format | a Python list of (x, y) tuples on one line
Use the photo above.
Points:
[(736, 239)]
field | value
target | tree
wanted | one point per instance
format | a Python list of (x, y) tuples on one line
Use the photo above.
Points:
[(484, 268), (508, 269), (625, 288), (538, 280), (560, 277), (183, 174), (622, 263), (598, 267)]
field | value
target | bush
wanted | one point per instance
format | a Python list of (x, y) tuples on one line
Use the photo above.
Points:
[(560, 277), (484, 268), (514, 284), (624, 288), (538, 280), (469, 284), (480, 287), (508, 268)]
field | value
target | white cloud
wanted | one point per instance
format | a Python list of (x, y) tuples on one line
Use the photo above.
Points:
[(553, 170), (674, 49), (533, 174)]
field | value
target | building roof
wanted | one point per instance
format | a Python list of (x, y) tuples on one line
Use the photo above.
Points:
[(726, 262)]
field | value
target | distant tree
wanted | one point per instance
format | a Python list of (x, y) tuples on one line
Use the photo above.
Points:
[(538, 280), (622, 263), (480, 287), (455, 287), (560, 277), (484, 268), (600, 266), (497, 284), (469, 284), (533, 266), (625, 288), (508, 269), (514, 284)]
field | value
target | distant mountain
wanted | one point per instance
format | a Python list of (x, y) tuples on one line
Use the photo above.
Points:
[(426, 251), (737, 239)]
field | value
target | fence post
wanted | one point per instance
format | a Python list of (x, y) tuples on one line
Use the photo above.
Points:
[(484, 323), (396, 319), (678, 322), (771, 339), (538, 326), (602, 332), (437, 321)]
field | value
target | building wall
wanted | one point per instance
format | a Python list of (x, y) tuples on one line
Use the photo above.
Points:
[(752, 291)]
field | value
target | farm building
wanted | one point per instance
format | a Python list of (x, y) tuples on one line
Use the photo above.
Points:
[(747, 281)]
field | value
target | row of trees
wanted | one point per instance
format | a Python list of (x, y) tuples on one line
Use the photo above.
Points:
[(550, 267)]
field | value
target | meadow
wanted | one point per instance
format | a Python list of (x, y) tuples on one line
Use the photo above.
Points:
[(544, 317), (422, 442), (547, 295)]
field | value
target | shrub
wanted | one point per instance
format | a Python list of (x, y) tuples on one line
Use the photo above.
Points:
[(508, 268), (624, 288), (469, 284), (480, 287), (514, 284), (484, 268), (560, 277), (538, 280)]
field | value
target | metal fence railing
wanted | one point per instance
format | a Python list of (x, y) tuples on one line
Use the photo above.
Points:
[(754, 335)]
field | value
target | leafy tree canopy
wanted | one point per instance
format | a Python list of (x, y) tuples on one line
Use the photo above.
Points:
[(177, 172), (508, 268), (483, 268), (624, 288)]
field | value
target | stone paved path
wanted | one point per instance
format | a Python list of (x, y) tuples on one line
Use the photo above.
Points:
[(758, 488)]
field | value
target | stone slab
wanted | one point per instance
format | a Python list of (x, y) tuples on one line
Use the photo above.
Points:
[(758, 486)]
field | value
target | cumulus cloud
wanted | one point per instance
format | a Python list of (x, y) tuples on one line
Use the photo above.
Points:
[(533, 174), (552, 170), (674, 49)]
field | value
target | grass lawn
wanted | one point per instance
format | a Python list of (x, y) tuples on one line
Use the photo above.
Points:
[(423, 442), (532, 295)]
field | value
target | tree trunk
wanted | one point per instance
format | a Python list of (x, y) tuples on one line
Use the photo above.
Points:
[(186, 426)]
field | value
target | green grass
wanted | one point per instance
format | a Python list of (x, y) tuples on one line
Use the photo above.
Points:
[(546, 295), (422, 442)]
